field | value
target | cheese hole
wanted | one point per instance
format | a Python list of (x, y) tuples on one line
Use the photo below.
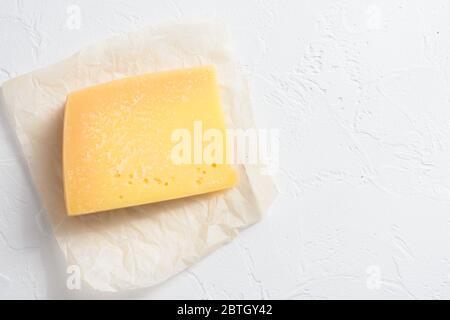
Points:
[(121, 197), (166, 184), (117, 175), (157, 180), (204, 171), (146, 181), (214, 165), (130, 182), (199, 181)]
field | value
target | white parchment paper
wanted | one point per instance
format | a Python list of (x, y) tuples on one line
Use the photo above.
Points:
[(139, 246)]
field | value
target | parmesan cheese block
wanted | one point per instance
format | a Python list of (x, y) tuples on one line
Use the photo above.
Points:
[(142, 139)]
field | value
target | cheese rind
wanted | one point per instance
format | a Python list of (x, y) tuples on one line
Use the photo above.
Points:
[(118, 141)]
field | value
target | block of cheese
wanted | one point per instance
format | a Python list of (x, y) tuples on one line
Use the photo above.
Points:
[(119, 141)]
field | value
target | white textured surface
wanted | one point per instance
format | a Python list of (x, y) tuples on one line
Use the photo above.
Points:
[(360, 92)]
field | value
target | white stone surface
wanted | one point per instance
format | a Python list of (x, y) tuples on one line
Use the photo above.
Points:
[(360, 91)]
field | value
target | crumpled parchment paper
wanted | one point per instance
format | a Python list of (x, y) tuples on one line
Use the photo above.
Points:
[(139, 246)]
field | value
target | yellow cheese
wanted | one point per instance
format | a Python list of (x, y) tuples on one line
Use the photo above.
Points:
[(118, 141)]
